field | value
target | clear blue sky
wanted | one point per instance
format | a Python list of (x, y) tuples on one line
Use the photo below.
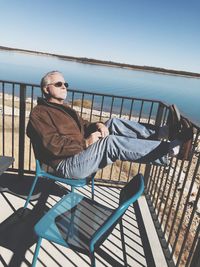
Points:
[(160, 33)]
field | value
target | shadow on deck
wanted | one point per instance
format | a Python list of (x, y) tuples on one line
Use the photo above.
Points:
[(17, 237)]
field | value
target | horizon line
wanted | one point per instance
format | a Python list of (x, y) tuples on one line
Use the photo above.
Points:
[(106, 62)]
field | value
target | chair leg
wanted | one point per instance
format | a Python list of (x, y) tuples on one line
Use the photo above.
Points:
[(31, 192), (92, 187), (36, 252), (71, 226), (92, 258), (123, 242)]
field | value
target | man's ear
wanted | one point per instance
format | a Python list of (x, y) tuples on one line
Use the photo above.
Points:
[(46, 90)]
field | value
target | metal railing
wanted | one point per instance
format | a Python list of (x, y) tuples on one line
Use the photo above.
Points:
[(173, 192)]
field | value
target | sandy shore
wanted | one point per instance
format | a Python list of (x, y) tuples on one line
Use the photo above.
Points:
[(96, 114)]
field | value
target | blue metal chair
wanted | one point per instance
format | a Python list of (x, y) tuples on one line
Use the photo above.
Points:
[(69, 181), (83, 224)]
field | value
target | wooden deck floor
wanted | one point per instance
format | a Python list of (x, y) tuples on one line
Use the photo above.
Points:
[(17, 238)]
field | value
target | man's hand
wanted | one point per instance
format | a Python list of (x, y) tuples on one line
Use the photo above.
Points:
[(102, 129), (94, 137)]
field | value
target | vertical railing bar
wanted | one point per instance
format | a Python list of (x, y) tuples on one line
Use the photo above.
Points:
[(145, 114), (120, 171), (30, 158), (102, 173), (161, 192), (139, 167), (151, 183), (162, 173), (72, 105), (147, 177), (150, 113), (3, 118), (83, 96), (188, 227), (168, 193), (165, 185), (154, 183), (1, 111), (165, 116), (180, 198), (111, 171), (143, 111), (131, 109), (157, 182), (111, 108), (89, 108), (172, 201), (148, 186), (140, 113), (129, 171), (154, 190), (121, 107), (101, 110), (92, 105), (13, 125), (187, 200), (22, 115)]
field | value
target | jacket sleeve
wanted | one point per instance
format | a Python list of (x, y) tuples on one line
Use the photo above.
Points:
[(57, 144), (89, 127)]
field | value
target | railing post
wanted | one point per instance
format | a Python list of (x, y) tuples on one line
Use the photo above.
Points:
[(22, 118), (147, 174)]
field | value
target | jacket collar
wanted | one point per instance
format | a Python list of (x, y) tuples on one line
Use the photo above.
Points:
[(43, 101)]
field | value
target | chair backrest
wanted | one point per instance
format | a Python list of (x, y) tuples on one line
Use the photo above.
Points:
[(40, 153), (131, 191), (36, 151), (128, 195)]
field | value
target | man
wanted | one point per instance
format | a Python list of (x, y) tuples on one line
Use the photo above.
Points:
[(77, 148)]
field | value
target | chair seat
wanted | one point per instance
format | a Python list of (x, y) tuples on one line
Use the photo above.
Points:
[(69, 181), (73, 221), (40, 172)]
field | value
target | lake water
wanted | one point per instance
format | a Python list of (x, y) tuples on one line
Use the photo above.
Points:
[(183, 91)]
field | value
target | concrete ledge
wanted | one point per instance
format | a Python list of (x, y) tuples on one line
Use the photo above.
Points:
[(155, 245)]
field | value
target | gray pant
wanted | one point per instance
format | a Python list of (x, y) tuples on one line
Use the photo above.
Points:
[(128, 141)]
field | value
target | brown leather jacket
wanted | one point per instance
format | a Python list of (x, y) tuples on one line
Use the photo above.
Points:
[(57, 132)]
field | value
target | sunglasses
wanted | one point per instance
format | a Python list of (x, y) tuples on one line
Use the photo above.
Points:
[(59, 84)]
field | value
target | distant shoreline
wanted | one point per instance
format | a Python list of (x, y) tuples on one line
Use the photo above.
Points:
[(106, 63)]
